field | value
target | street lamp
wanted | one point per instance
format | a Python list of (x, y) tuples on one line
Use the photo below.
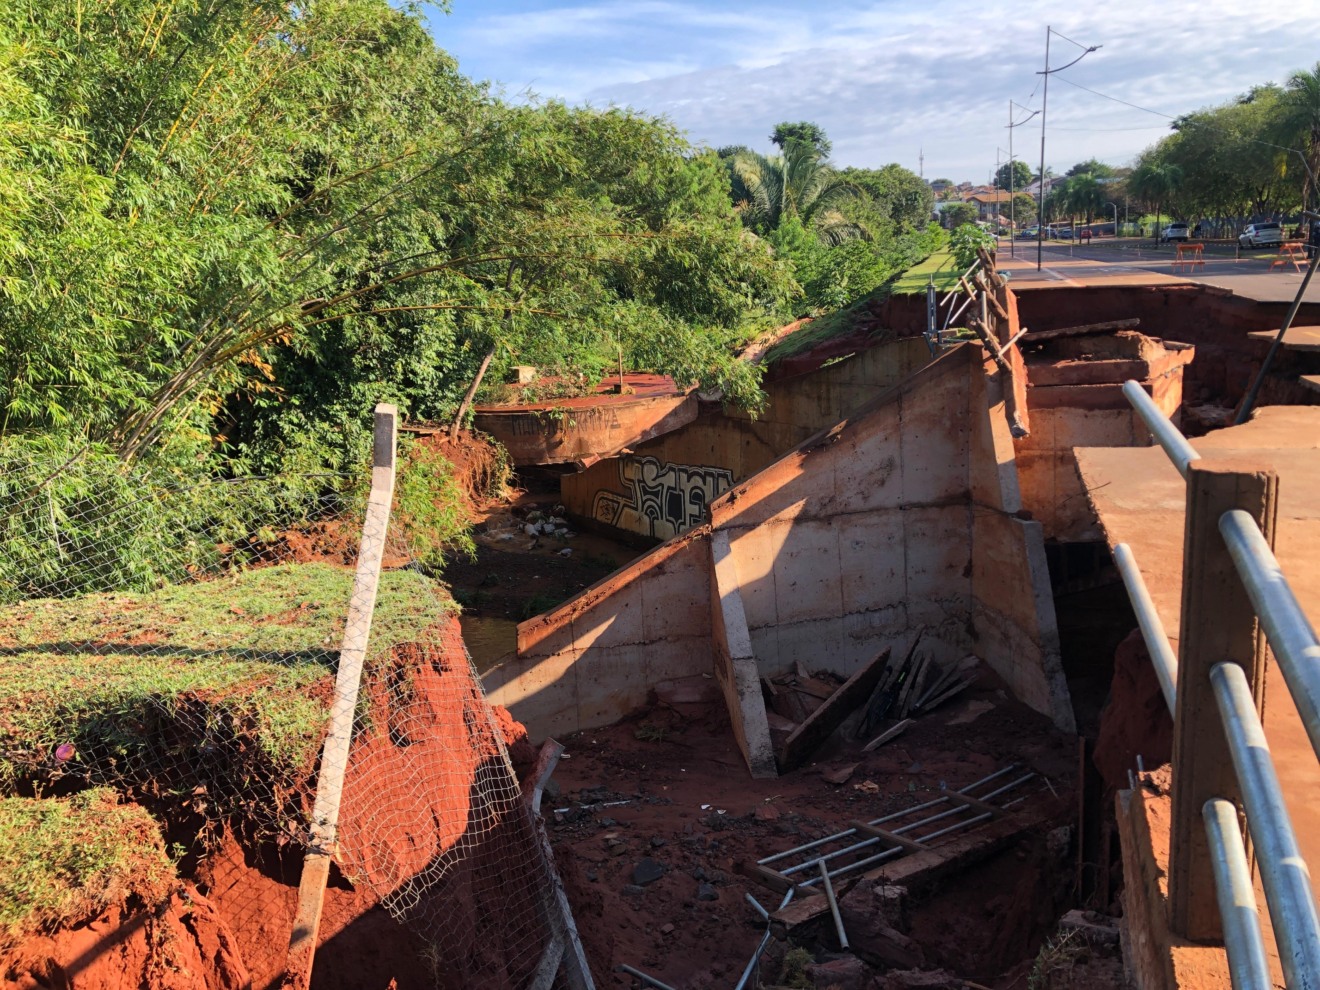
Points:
[(1115, 206), (1044, 101), (1012, 179)]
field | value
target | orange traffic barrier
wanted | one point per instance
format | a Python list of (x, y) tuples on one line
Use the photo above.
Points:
[(1292, 251), (1190, 254)]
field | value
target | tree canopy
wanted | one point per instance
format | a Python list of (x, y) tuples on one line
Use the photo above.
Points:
[(231, 227)]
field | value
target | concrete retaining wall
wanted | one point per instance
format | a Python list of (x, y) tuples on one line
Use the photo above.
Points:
[(663, 487), (901, 516)]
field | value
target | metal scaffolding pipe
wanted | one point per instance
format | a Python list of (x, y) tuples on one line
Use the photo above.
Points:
[(880, 821), (1283, 872), (1152, 629), (765, 940), (1247, 965), (1286, 627), (1165, 433)]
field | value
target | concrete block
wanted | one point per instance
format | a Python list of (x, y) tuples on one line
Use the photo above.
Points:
[(814, 643), (867, 472), (676, 598), (736, 664), (934, 434)]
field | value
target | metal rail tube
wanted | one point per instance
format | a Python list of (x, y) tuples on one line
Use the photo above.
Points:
[(866, 843), (1286, 626), (1283, 872), (1152, 629), (650, 981), (1165, 433), (765, 940), (834, 906), (887, 818), (1247, 965)]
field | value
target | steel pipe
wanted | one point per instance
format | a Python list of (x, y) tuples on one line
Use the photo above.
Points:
[(649, 981), (1286, 626), (1152, 629), (765, 940), (865, 843), (1283, 872), (1165, 433), (880, 821), (1247, 965)]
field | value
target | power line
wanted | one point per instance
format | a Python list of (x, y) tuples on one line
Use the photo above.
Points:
[(1125, 103), (1069, 40)]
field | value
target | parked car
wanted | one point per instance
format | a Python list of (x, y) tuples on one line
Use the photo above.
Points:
[(1259, 235), (1176, 232), (1028, 234)]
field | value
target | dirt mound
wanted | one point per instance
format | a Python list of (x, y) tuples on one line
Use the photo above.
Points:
[(182, 944)]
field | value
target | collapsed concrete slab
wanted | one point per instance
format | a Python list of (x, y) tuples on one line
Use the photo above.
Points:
[(905, 514), (1076, 399)]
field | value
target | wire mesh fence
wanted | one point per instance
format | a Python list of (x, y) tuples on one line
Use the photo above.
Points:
[(180, 644)]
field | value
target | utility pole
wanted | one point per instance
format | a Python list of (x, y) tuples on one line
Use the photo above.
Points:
[(1044, 101), (1012, 179)]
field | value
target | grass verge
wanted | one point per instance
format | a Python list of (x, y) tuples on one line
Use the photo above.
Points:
[(939, 266), (65, 859), (219, 689)]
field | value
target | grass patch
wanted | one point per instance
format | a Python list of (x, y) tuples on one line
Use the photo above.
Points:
[(221, 685), (66, 859), (939, 266)]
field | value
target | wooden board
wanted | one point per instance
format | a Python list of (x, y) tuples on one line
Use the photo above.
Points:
[(808, 736)]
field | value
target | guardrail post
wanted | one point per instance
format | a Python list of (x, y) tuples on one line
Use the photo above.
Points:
[(1218, 624)]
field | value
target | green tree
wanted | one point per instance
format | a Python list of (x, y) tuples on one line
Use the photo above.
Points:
[(801, 132), (895, 198), (1013, 175), (799, 183), (956, 215), (1155, 183), (1298, 123)]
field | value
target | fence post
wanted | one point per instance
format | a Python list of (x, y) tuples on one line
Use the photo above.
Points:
[(1218, 624), (334, 752)]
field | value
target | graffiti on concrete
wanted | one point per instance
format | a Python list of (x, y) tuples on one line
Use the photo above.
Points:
[(660, 499)]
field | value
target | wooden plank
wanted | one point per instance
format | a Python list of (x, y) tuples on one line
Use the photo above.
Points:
[(1036, 336), (767, 877), (808, 736), (1218, 624), (890, 733), (348, 681), (890, 839)]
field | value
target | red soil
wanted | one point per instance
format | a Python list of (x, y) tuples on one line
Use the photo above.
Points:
[(667, 763), (431, 817), (183, 944)]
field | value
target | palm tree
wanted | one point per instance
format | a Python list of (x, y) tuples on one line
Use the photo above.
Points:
[(1299, 123), (1155, 182), (799, 183)]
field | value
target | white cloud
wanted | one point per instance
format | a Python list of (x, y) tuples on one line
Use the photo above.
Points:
[(888, 78)]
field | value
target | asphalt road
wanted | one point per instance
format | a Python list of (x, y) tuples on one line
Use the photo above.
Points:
[(1140, 262)]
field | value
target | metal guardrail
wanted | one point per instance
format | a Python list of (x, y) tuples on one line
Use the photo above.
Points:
[(1284, 874)]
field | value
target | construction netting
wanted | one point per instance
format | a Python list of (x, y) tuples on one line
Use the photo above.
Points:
[(180, 644)]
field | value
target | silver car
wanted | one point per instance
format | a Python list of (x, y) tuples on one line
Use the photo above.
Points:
[(1259, 235)]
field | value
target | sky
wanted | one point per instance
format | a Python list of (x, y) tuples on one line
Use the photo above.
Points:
[(891, 80)]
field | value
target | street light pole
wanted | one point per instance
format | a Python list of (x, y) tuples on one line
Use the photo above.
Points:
[(1044, 100), (1012, 179), (1115, 206)]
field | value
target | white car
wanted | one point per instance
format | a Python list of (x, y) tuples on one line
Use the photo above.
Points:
[(1175, 232), (1258, 235)]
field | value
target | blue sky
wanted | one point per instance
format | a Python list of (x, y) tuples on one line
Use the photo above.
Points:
[(888, 79)]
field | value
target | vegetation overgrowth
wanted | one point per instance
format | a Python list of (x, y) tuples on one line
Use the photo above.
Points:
[(231, 228), (233, 662), (73, 857)]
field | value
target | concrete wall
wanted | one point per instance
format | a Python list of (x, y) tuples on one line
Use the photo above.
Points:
[(1076, 400), (594, 659), (900, 516), (664, 486)]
